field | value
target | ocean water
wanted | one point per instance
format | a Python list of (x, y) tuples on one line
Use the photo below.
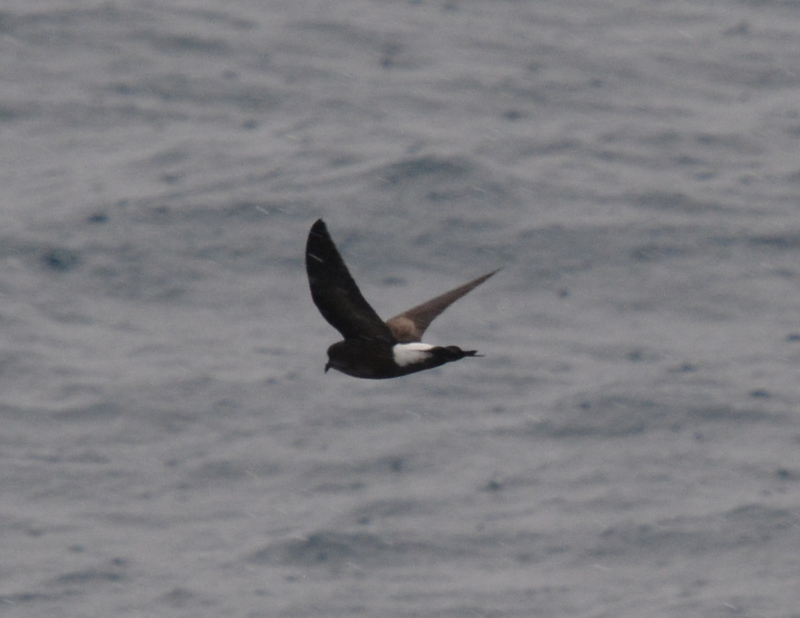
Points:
[(629, 445)]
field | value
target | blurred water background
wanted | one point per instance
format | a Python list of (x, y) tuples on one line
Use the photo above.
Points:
[(628, 447)]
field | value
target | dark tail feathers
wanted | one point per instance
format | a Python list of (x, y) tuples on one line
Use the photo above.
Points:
[(450, 353)]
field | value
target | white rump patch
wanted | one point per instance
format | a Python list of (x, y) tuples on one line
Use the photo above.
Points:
[(410, 353)]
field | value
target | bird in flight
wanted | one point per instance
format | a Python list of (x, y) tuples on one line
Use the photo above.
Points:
[(373, 348)]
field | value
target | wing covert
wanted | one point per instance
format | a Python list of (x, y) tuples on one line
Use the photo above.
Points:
[(410, 325)]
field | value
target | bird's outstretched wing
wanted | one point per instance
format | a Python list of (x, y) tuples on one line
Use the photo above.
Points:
[(410, 325), (336, 294)]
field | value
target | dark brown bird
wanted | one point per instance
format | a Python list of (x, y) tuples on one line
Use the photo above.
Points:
[(371, 347)]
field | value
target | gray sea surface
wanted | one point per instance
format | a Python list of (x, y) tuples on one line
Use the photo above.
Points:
[(629, 445)]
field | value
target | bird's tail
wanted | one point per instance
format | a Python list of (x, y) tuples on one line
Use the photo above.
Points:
[(452, 353)]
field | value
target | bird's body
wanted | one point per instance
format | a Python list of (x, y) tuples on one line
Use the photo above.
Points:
[(373, 348)]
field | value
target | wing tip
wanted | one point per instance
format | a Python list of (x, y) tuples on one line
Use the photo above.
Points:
[(492, 273), (319, 227)]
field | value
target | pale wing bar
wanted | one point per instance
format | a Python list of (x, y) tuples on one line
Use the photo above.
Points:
[(410, 325)]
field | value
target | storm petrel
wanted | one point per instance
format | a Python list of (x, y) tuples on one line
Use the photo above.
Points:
[(373, 348)]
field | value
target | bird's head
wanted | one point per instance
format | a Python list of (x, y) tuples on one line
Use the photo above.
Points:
[(337, 358)]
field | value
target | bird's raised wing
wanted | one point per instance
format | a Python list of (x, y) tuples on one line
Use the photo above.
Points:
[(336, 294), (410, 325)]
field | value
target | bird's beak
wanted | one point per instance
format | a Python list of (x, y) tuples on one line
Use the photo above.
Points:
[(327, 366)]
